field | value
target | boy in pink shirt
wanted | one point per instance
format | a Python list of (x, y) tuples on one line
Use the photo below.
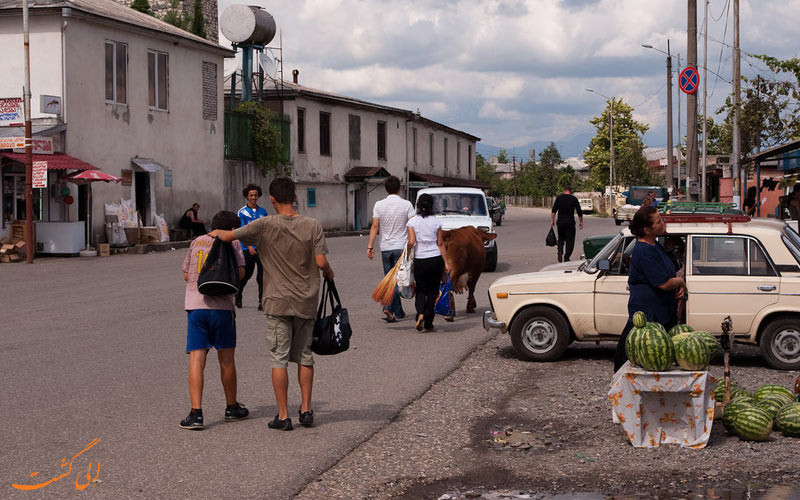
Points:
[(211, 323)]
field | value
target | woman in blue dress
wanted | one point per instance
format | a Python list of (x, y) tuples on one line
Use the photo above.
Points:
[(654, 287)]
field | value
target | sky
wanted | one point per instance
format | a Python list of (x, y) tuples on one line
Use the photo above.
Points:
[(514, 72)]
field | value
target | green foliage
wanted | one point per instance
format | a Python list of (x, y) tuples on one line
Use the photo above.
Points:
[(142, 6), (630, 165), (175, 17), (267, 147), (502, 156), (198, 25)]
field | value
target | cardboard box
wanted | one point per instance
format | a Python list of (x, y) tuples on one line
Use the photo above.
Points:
[(103, 249), (16, 231), (7, 249), (10, 258)]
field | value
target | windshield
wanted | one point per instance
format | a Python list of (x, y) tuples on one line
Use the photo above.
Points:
[(458, 204), (605, 253)]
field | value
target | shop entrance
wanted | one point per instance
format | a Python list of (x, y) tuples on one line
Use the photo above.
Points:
[(360, 208), (14, 197), (142, 194)]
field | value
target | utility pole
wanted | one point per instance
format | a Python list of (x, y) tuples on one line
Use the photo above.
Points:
[(611, 152), (737, 89), (670, 171), (705, 97), (691, 100), (26, 95), (680, 141)]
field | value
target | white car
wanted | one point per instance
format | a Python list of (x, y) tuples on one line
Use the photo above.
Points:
[(587, 206), (461, 207), (746, 269)]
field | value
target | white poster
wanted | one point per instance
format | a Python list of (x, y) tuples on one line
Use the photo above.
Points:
[(40, 174), (11, 112)]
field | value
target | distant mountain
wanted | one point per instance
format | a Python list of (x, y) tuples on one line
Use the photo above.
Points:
[(574, 146)]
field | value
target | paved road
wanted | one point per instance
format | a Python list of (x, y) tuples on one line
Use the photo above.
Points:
[(94, 349)]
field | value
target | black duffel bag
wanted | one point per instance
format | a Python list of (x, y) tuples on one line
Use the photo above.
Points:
[(219, 274), (332, 331)]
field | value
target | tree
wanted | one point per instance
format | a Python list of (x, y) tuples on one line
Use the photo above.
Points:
[(142, 6), (502, 156), (198, 25), (630, 165), (267, 146), (549, 159)]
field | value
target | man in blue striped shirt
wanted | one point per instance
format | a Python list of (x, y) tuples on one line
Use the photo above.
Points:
[(247, 214)]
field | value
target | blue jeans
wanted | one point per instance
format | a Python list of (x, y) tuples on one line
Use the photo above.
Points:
[(390, 258)]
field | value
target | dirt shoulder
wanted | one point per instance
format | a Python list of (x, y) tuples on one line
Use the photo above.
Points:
[(564, 440)]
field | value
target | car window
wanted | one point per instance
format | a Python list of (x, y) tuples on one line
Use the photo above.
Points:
[(605, 253), (620, 259), (729, 256)]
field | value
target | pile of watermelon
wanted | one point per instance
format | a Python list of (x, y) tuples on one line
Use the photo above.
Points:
[(753, 416), (651, 347)]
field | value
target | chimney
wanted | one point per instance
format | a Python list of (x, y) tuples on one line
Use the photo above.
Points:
[(295, 74)]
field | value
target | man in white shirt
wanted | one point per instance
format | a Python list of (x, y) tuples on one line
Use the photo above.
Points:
[(389, 218)]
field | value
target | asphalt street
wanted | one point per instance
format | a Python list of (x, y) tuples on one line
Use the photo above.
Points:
[(95, 349)]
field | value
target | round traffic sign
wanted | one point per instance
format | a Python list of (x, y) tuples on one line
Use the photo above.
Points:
[(689, 80)]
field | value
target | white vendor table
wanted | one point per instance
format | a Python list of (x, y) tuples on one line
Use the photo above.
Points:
[(669, 407)]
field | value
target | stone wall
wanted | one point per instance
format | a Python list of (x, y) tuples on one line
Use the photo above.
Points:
[(210, 13)]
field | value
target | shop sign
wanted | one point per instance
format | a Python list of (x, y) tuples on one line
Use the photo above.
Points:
[(41, 146), (50, 104), (127, 176), (11, 112), (417, 184), (12, 142), (40, 174)]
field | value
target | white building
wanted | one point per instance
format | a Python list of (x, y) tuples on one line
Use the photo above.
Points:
[(343, 148), (139, 99)]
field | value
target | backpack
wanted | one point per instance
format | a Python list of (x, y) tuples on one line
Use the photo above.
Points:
[(219, 274)]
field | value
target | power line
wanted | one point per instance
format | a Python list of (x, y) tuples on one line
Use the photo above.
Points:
[(722, 47), (725, 8)]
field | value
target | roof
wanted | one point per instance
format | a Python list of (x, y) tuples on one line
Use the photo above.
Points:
[(773, 152), (109, 9), (656, 154), (57, 161), (274, 90), (447, 181), (357, 174), (36, 130)]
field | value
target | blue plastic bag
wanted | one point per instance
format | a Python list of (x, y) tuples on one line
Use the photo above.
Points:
[(445, 303)]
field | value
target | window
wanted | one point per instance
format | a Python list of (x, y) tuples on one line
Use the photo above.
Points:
[(430, 148), (469, 159), (311, 197), (414, 144), (445, 153), (209, 91), (157, 77), (301, 130), (355, 137), (324, 133), (116, 72), (381, 140), (729, 256), (458, 155)]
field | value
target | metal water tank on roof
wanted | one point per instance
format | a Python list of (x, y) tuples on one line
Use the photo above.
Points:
[(247, 24)]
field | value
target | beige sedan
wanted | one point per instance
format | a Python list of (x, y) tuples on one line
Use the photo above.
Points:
[(733, 266)]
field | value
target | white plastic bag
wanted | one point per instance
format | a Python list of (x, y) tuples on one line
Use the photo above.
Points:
[(405, 275), (163, 230)]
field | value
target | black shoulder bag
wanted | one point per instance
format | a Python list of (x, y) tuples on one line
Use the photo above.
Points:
[(331, 332), (219, 274)]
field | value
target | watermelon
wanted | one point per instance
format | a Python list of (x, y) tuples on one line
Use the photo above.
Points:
[(680, 336), (772, 404), (743, 397), (639, 319), (719, 391), (787, 420), (710, 341), (630, 342), (731, 410), (657, 326), (653, 348), (752, 424), (691, 352), (680, 329), (772, 389)]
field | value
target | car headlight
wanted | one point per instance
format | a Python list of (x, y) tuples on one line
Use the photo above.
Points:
[(485, 229)]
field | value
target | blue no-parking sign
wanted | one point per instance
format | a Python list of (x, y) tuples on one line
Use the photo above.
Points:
[(689, 80)]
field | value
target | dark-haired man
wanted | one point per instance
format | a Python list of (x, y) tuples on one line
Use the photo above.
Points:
[(211, 323), (247, 214), (565, 205), (292, 250), (389, 218)]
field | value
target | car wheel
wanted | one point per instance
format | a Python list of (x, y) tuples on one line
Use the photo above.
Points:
[(780, 344), (540, 334), (491, 260), (617, 222)]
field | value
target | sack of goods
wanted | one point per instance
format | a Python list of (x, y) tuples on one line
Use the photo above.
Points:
[(332, 331), (219, 274)]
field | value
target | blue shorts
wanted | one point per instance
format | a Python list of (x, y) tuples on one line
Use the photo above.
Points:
[(209, 328)]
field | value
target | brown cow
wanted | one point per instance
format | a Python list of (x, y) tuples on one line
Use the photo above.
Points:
[(466, 255)]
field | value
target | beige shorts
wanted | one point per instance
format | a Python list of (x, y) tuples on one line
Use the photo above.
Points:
[(289, 339)]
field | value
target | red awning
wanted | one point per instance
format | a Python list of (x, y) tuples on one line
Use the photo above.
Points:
[(57, 161)]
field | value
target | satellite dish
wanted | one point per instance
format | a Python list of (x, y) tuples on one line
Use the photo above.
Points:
[(268, 64)]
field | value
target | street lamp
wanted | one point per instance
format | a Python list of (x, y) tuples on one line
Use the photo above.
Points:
[(611, 152), (670, 171)]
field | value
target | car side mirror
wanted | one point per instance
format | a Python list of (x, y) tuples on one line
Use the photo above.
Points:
[(604, 265)]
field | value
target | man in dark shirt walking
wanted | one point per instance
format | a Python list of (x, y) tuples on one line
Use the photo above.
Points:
[(565, 205)]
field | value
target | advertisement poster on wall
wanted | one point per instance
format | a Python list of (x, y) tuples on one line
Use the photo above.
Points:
[(11, 112)]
